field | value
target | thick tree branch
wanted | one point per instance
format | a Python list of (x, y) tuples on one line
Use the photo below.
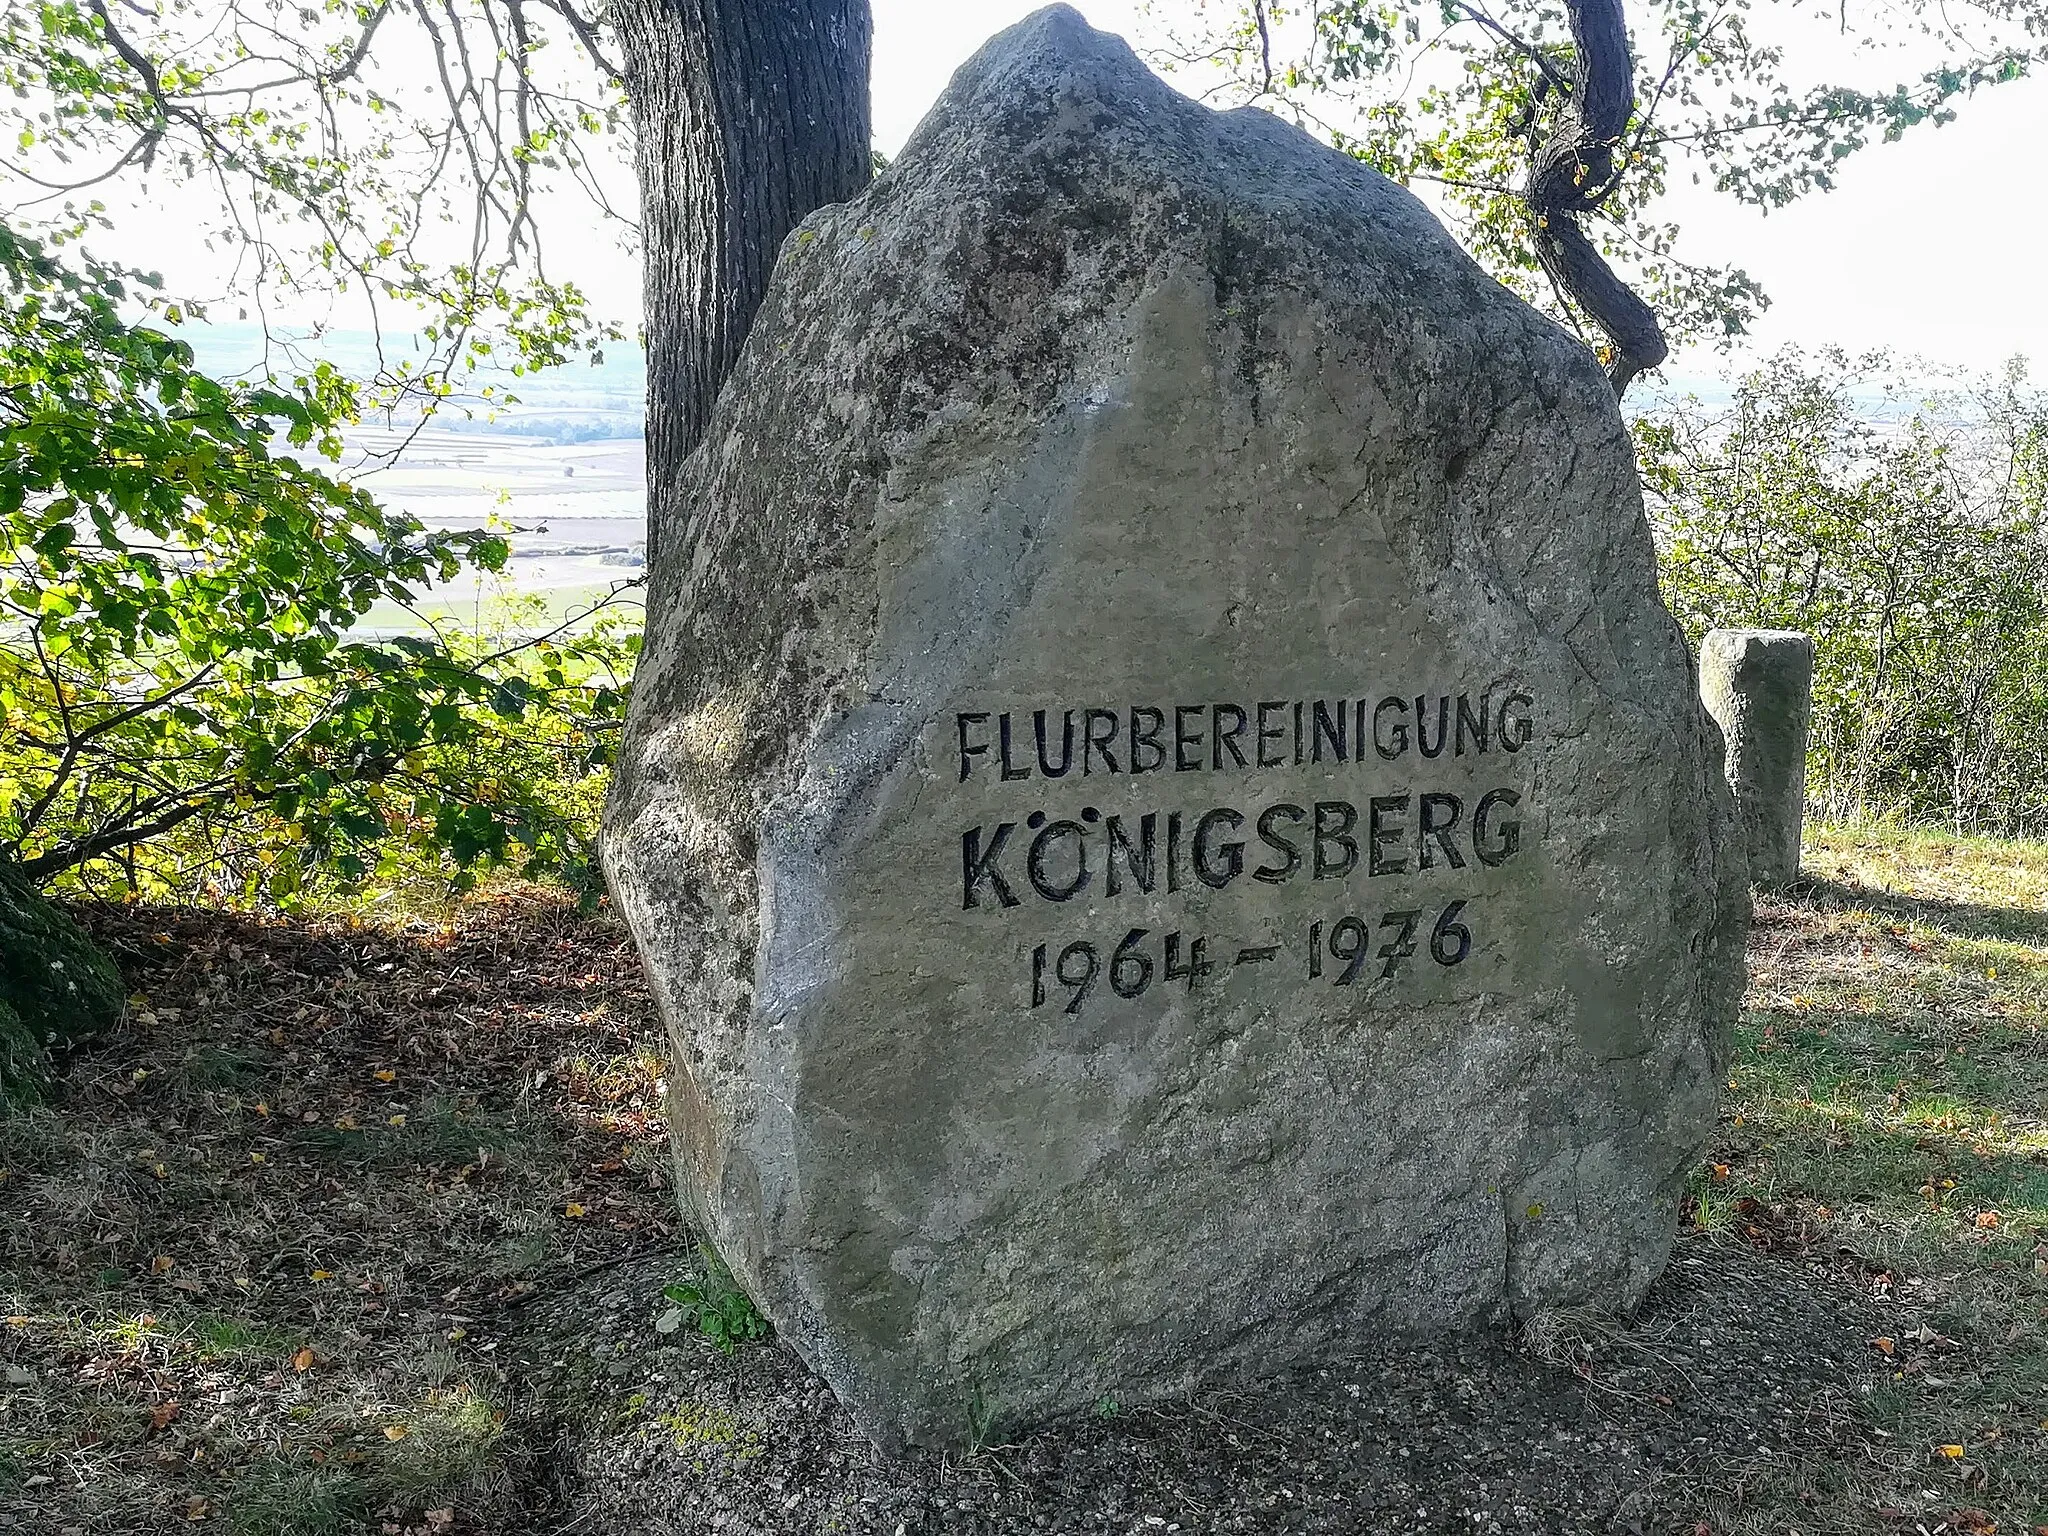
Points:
[(1583, 274), (1577, 170)]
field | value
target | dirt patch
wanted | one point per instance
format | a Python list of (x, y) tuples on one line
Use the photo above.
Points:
[(1741, 1366)]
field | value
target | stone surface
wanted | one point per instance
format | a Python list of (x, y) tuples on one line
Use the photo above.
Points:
[(1758, 686), (56, 987), (1257, 1018)]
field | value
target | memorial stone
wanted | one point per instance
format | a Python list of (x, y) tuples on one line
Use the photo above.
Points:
[(1170, 829), (1758, 686)]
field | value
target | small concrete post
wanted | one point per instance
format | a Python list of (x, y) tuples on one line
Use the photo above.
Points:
[(1758, 686)]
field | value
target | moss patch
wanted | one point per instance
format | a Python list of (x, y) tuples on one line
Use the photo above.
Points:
[(56, 987)]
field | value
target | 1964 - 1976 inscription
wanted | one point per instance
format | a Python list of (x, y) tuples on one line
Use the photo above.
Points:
[(1009, 863)]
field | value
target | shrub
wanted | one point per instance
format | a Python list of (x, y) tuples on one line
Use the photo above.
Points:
[(189, 699), (1907, 536)]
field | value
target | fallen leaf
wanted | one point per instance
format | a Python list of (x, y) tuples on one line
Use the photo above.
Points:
[(162, 1264), (1885, 1346), (322, 1274), (394, 1431), (162, 1414), (1720, 1171), (397, 1120), (1987, 1218), (304, 1361), (197, 1508), (386, 1075), (1952, 1452), (572, 1209)]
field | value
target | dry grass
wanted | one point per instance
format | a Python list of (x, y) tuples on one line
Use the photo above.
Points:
[(252, 1262)]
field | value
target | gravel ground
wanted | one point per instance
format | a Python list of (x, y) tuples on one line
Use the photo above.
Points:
[(1743, 1368)]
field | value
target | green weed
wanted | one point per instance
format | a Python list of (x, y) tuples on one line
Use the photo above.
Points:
[(272, 1499), (715, 1306)]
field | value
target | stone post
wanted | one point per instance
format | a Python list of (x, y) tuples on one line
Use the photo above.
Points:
[(1758, 686)]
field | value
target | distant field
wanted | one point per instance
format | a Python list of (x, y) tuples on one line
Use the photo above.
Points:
[(575, 514), (486, 611)]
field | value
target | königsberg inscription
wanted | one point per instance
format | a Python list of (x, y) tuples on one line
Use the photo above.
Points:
[(1170, 831), (1061, 852)]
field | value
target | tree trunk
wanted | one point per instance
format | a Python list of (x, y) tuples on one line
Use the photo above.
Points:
[(750, 114)]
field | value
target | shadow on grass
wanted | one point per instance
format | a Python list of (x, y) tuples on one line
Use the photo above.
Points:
[(442, 1133), (1901, 1168), (1957, 919)]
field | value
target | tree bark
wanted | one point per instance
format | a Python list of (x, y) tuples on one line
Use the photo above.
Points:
[(750, 114), (1575, 172)]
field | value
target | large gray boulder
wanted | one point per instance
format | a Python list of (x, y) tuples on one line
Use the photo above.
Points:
[(1168, 824)]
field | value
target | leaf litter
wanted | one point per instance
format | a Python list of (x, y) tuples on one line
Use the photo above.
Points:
[(253, 1259)]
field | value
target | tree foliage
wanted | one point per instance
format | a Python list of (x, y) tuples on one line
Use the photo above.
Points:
[(1464, 98), (186, 676), (1910, 538), (418, 153), (400, 153)]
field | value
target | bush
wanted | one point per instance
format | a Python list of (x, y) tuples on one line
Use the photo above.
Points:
[(187, 702), (1907, 536)]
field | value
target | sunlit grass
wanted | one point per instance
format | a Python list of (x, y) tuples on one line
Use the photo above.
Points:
[(1888, 1097)]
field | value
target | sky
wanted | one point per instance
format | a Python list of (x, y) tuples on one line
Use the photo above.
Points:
[(1934, 246)]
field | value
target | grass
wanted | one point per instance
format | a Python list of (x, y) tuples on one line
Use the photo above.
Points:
[(276, 1499), (1889, 1100)]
